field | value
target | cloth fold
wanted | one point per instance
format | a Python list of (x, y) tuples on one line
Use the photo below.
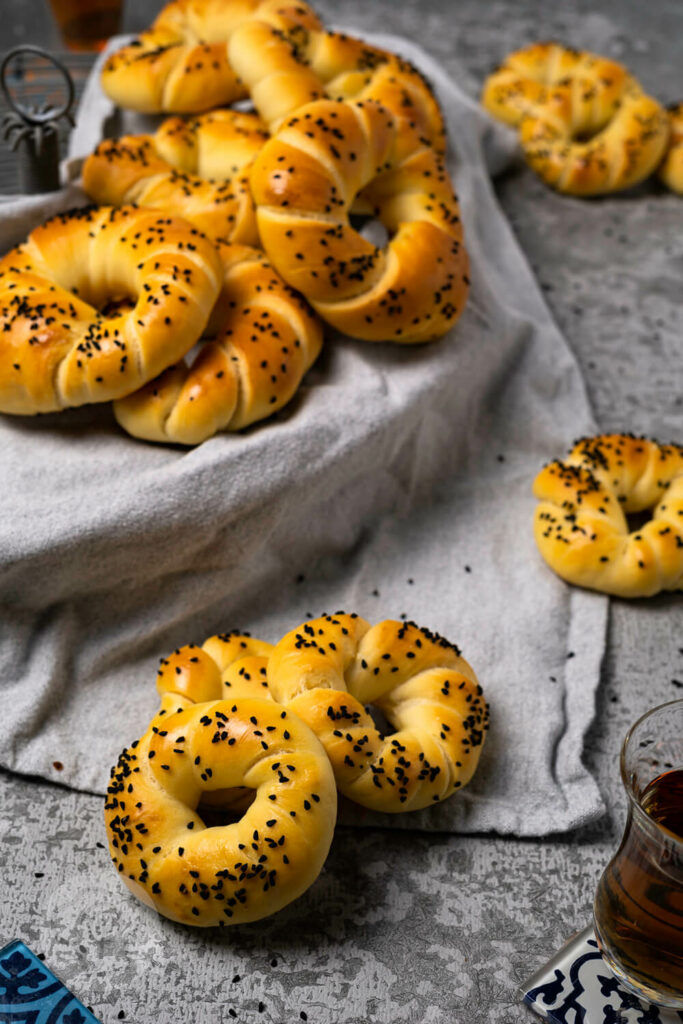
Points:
[(396, 484)]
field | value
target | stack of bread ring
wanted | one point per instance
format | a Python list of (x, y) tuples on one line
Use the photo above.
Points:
[(265, 735), (585, 124), (234, 229)]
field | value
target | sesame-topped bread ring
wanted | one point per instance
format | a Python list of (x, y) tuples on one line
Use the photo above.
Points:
[(197, 168), (328, 669), (260, 341), (671, 168), (180, 64), (305, 181), (585, 125), (225, 874), (285, 71), (68, 334), (581, 527)]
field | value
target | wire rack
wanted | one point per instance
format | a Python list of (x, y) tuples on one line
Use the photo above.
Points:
[(35, 83)]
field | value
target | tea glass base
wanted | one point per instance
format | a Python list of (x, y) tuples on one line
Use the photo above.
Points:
[(668, 1001)]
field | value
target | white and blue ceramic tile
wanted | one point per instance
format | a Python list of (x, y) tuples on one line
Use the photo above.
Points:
[(577, 987), (30, 992)]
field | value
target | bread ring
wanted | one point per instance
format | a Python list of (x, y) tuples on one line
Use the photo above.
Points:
[(327, 670), (304, 182), (195, 168), (581, 527), (180, 64), (549, 75), (557, 97), (57, 349), (671, 168), (227, 874), (261, 339), (284, 72)]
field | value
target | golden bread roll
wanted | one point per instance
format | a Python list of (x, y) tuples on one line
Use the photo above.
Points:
[(284, 72), (581, 527), (328, 669), (225, 874), (305, 181), (671, 168), (585, 125), (96, 302), (195, 168), (180, 65), (260, 341)]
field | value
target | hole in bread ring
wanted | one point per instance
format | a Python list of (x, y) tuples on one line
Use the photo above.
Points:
[(227, 874), (581, 524), (328, 669), (57, 349), (306, 180)]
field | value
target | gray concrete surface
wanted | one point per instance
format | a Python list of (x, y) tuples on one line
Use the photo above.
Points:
[(408, 927)]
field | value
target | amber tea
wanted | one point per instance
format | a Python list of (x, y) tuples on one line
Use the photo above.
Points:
[(639, 900), (87, 24)]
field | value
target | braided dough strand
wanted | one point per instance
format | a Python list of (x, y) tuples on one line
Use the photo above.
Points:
[(580, 525), (304, 183), (196, 168), (264, 338), (329, 668), (180, 64), (226, 874), (57, 349)]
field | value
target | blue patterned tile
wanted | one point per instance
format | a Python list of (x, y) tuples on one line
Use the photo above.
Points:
[(31, 994), (577, 987)]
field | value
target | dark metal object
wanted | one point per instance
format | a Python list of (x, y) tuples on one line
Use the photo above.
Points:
[(35, 129)]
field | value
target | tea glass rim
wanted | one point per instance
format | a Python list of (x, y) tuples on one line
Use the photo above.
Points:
[(636, 807)]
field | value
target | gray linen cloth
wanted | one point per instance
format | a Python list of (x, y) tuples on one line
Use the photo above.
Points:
[(397, 483)]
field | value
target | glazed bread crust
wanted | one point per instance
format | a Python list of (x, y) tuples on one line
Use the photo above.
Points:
[(306, 180), (260, 341), (225, 874), (671, 168), (328, 669), (556, 97), (580, 524), (180, 65), (283, 72), (195, 168), (57, 348)]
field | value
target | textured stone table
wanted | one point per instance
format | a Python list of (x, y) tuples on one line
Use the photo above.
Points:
[(410, 927)]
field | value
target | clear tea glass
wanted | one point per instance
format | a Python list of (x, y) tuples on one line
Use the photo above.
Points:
[(638, 911), (87, 24)]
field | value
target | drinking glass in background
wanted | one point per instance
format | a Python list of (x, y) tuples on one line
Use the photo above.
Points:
[(87, 24), (638, 908)]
